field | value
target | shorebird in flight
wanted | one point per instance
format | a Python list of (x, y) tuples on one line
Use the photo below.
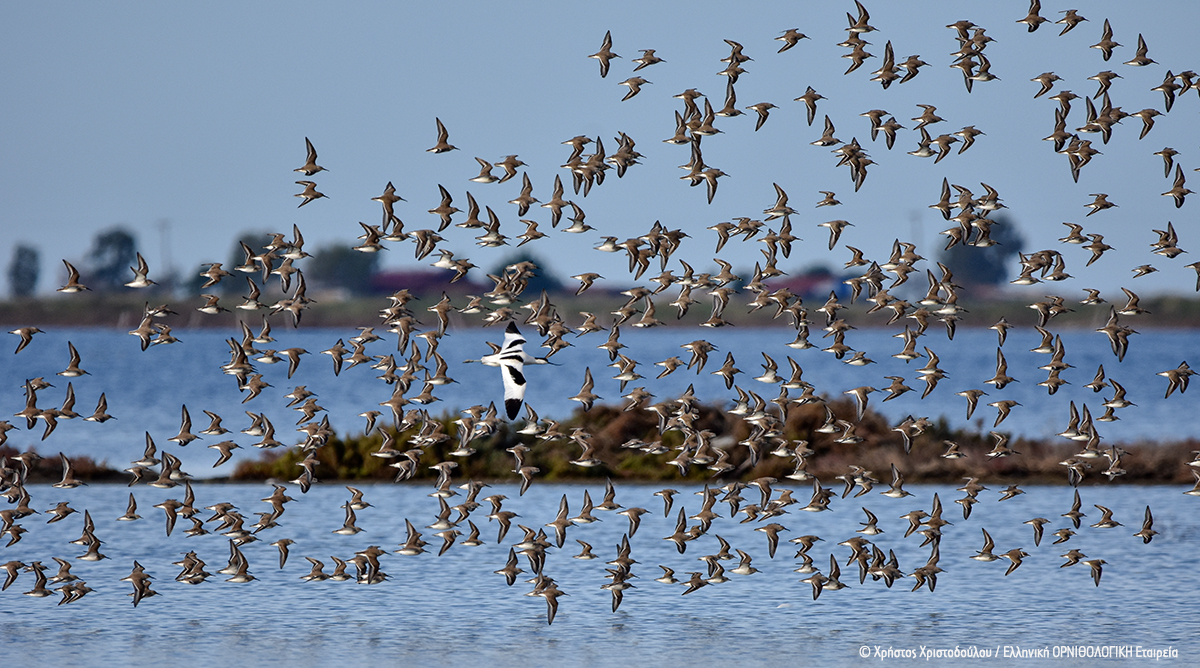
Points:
[(310, 166)]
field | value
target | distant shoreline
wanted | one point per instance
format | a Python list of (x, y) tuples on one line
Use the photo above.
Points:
[(124, 311)]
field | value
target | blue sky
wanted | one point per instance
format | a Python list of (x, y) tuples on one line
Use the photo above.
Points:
[(196, 113)]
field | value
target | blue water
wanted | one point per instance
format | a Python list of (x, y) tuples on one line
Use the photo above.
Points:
[(454, 610), (146, 389)]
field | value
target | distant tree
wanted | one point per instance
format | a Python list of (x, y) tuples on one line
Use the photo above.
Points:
[(113, 252), (23, 270), (979, 269), (542, 280), (190, 284), (236, 284), (340, 266)]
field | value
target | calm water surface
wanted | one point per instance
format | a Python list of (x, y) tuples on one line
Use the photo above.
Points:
[(146, 389), (454, 610)]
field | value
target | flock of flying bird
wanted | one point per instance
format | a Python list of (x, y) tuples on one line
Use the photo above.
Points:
[(505, 305)]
